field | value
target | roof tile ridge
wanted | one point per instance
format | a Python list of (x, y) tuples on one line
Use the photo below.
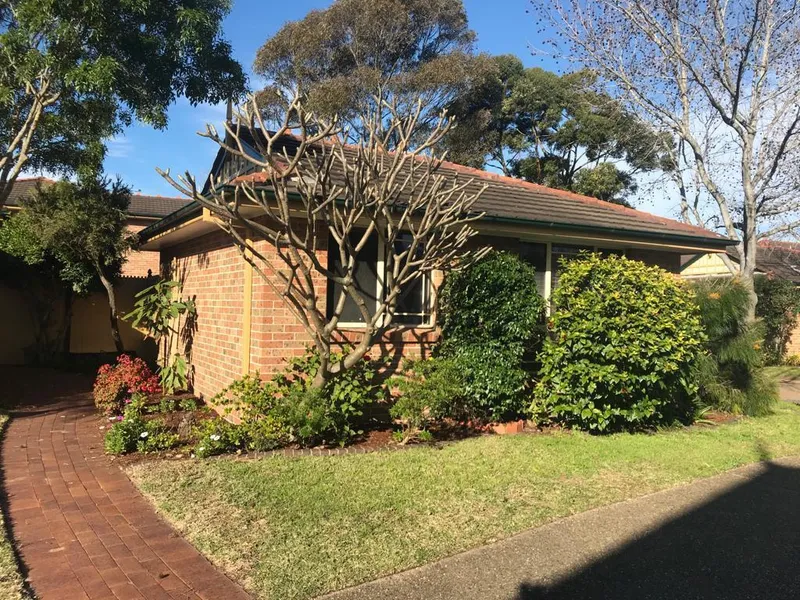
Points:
[(37, 178), (483, 174), (572, 195)]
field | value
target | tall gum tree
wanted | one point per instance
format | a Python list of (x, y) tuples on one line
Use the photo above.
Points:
[(721, 78)]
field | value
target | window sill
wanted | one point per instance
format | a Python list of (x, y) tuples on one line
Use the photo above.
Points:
[(358, 327)]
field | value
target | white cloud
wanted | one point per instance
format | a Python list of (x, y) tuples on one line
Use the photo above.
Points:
[(119, 147)]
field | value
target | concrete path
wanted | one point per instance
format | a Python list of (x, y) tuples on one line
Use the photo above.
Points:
[(80, 526), (790, 391), (734, 536)]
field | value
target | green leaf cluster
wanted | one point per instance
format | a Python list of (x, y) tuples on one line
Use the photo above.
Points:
[(107, 62), (78, 227), (492, 327), (778, 307), (555, 130), (287, 409), (162, 317), (342, 56), (624, 338), (730, 375)]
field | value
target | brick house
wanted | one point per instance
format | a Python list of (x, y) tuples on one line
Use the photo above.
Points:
[(773, 259), (242, 326), (88, 329)]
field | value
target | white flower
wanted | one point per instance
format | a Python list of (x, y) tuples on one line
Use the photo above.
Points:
[(215, 437), (201, 448), (143, 435)]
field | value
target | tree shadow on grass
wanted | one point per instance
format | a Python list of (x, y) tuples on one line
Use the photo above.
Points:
[(742, 544)]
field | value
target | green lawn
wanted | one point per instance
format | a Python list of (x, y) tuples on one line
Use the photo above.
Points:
[(11, 584), (296, 528), (784, 372)]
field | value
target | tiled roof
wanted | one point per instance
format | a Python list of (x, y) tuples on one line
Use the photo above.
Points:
[(515, 199), (781, 259), (155, 206), (140, 206)]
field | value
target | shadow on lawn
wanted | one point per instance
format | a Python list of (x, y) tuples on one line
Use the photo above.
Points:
[(743, 544)]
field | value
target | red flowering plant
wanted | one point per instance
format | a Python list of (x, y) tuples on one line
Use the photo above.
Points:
[(116, 383)]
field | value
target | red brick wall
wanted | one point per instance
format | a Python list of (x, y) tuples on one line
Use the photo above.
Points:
[(141, 262), (212, 272)]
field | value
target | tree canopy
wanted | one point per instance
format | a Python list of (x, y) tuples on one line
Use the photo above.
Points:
[(554, 130), (79, 228), (73, 72), (356, 53), (720, 78)]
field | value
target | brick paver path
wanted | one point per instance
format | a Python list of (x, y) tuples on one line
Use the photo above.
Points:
[(80, 526)]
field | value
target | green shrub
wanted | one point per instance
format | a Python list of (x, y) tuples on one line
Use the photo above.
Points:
[(624, 338), (156, 437), (217, 436), (778, 306), (188, 404), (124, 435), (730, 374), (330, 415), (287, 409), (492, 325), (493, 302), (254, 403), (429, 390)]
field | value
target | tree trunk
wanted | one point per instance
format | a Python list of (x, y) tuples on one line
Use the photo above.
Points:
[(112, 305)]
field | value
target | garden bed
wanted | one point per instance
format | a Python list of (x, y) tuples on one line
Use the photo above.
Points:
[(296, 528)]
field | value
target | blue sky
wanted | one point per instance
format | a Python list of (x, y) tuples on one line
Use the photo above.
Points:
[(503, 26)]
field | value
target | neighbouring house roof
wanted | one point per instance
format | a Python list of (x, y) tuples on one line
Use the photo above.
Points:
[(140, 206), (773, 257), (511, 200)]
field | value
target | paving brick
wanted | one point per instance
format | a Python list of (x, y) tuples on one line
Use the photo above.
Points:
[(82, 529)]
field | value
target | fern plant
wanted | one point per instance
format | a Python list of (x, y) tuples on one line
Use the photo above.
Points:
[(730, 375)]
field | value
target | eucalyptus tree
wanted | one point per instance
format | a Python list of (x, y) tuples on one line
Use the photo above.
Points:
[(721, 78)]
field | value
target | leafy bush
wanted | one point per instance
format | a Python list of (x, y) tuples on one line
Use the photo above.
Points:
[(254, 403), (156, 437), (166, 320), (730, 374), (287, 409), (778, 306), (217, 436), (492, 325), (124, 435), (624, 338), (793, 360), (429, 390), (493, 302), (330, 415), (116, 383)]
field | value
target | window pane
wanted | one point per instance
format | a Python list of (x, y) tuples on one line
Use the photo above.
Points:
[(412, 305), (536, 256), (365, 274)]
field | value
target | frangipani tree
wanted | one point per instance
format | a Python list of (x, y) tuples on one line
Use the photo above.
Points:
[(308, 183)]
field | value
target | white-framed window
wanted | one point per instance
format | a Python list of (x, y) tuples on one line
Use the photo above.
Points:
[(414, 304)]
